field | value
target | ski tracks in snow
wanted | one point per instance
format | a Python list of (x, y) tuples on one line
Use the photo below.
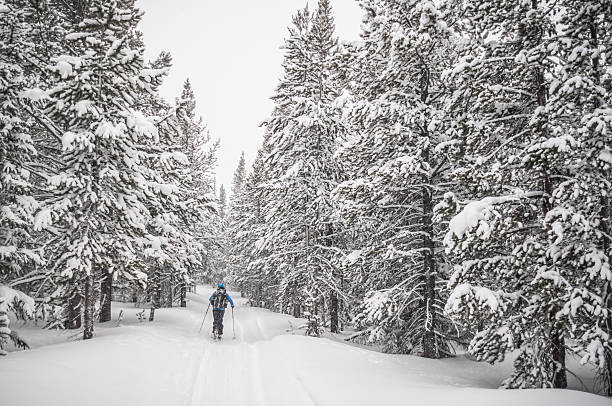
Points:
[(247, 371), (228, 374), (199, 365), (229, 371)]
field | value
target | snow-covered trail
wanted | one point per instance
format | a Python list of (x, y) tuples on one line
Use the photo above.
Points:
[(270, 363)]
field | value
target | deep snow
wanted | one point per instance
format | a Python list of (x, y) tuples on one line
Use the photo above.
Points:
[(270, 363)]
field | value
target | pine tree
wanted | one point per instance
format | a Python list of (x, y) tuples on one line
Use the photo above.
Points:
[(5, 331), (239, 179), (22, 307), (300, 238), (246, 228), (397, 176), (235, 260), (21, 168), (198, 182), (101, 191), (527, 270), (222, 202), (578, 223), (90, 147)]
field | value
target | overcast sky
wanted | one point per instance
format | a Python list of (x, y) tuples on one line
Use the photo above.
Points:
[(229, 49)]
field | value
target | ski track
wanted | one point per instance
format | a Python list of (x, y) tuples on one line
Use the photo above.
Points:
[(229, 370), (256, 377), (306, 391), (232, 372), (196, 375)]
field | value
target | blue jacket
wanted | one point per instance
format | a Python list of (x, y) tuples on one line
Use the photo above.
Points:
[(229, 299)]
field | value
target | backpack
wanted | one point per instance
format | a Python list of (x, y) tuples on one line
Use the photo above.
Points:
[(220, 299)]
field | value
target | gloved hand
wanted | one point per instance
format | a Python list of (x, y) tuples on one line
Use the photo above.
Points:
[(232, 306)]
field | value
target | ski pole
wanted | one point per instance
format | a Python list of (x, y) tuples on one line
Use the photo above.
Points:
[(205, 314), (233, 327)]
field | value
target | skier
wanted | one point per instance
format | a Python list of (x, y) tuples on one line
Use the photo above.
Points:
[(219, 300)]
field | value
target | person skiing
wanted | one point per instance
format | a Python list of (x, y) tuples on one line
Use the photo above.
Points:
[(219, 300)]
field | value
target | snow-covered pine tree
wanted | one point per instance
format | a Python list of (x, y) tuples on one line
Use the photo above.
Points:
[(22, 307), (236, 261), (246, 228), (301, 233), (197, 144), (239, 179), (531, 267), (164, 255), (164, 161), (495, 241), (222, 201), (21, 167), (16, 203), (219, 254), (5, 331), (198, 184), (398, 175), (100, 195), (580, 106), (265, 270)]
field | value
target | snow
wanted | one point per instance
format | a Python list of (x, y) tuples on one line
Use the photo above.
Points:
[(142, 125), (483, 296), (271, 363), (595, 351), (64, 65), (176, 156), (150, 74), (81, 107), (562, 143), (167, 189), (107, 129), (445, 144), (353, 257), (155, 243), (34, 95), (293, 170), (606, 156), (14, 296), (43, 219), (76, 36), (550, 275), (471, 214)]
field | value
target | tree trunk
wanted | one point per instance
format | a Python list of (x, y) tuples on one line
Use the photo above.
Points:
[(171, 290), (606, 373), (75, 306), (429, 271), (558, 354), (183, 294), (557, 340), (88, 313), (333, 313), (430, 349), (296, 310), (106, 298), (156, 294)]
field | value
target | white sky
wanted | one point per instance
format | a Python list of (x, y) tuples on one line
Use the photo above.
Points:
[(229, 50)]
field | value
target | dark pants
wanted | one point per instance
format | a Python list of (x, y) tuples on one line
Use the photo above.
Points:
[(218, 320)]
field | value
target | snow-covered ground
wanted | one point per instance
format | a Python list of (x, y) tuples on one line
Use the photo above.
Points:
[(270, 363)]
